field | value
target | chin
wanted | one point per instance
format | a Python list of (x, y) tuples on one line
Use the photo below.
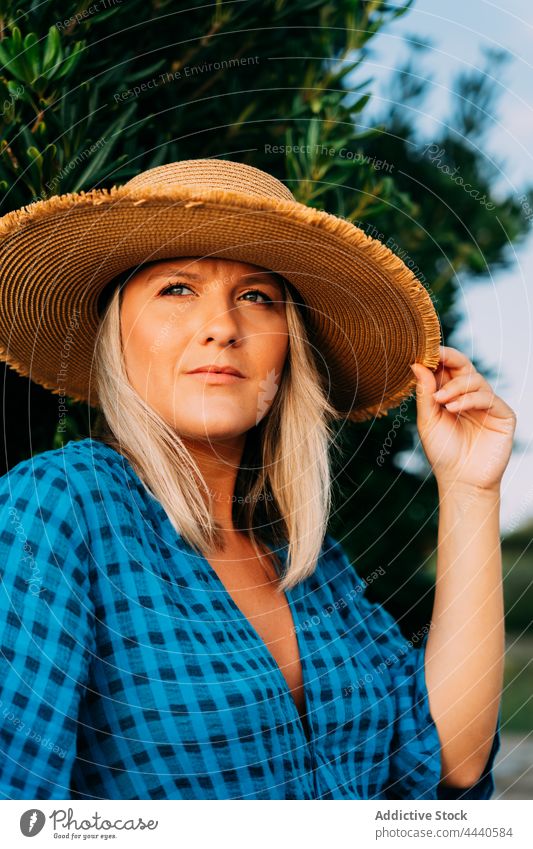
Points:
[(212, 424)]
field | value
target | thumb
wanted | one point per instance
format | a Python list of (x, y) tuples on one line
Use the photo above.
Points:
[(426, 385)]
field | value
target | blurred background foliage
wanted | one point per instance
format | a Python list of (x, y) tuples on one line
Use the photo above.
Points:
[(71, 120)]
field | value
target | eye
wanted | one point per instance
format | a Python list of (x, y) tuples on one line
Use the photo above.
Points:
[(174, 286), (268, 300)]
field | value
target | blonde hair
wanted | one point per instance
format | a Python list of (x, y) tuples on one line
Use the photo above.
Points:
[(283, 487)]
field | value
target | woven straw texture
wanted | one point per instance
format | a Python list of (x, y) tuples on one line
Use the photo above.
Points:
[(368, 316)]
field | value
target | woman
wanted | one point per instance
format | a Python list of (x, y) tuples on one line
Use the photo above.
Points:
[(176, 623)]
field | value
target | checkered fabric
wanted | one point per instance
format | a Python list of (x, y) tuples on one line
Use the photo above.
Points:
[(128, 672)]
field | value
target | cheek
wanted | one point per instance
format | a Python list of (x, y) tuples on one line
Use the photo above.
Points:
[(271, 349), (269, 357), (150, 349)]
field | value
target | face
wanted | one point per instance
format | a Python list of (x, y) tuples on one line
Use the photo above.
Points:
[(181, 314)]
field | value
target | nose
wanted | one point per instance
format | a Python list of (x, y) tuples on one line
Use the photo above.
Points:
[(219, 319)]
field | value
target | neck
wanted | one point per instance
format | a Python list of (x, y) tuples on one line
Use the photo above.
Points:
[(219, 464)]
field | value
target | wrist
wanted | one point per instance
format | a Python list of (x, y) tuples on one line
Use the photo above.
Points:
[(459, 489)]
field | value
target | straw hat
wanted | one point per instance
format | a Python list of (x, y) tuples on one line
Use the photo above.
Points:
[(367, 314)]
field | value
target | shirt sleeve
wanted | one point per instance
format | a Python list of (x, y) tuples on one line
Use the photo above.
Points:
[(46, 630), (415, 753)]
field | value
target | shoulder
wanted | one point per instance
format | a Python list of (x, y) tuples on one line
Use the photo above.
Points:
[(335, 575), (55, 506), (332, 549), (337, 564), (60, 484), (348, 586), (334, 562), (77, 462)]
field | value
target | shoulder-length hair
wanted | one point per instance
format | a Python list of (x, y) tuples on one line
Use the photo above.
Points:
[(283, 488)]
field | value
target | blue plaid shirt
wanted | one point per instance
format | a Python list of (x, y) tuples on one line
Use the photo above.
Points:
[(128, 672)]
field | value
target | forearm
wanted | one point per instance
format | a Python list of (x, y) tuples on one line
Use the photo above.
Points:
[(465, 647)]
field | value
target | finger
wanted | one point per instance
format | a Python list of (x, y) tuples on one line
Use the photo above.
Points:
[(480, 400), (450, 364), (455, 360), (461, 385), (442, 375)]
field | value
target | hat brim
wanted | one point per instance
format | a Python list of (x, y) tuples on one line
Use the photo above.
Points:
[(369, 317)]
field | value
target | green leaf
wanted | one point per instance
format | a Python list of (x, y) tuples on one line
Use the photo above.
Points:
[(313, 133), (105, 151), (31, 51), (35, 166), (15, 88), (10, 63), (102, 16), (360, 104), (16, 40), (49, 159), (144, 73), (70, 63), (27, 136), (402, 10), (19, 64), (52, 50)]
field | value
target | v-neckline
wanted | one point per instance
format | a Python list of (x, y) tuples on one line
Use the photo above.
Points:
[(308, 737), (257, 637)]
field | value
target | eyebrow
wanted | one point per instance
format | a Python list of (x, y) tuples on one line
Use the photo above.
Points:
[(191, 275)]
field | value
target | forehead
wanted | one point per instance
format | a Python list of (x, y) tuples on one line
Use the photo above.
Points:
[(204, 268)]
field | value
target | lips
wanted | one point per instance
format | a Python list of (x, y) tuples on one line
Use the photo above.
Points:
[(214, 369)]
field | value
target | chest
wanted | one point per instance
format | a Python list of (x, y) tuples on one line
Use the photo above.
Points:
[(252, 583), (184, 686)]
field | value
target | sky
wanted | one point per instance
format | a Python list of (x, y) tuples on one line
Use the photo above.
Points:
[(496, 320)]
